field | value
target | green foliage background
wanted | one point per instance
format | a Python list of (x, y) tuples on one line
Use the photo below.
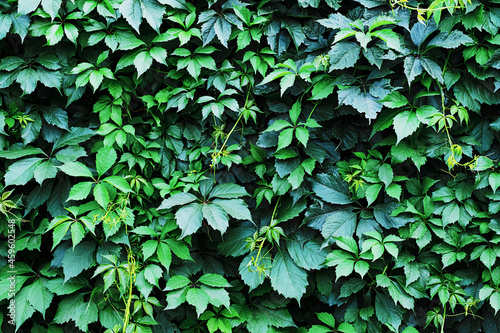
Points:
[(260, 166)]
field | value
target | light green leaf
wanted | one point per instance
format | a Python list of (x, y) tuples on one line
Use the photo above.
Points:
[(24, 310), (228, 191), (28, 78), (198, 298), (216, 217), (214, 280), (405, 124), (340, 223), (177, 199), (75, 136), (80, 191), (387, 312), (105, 159), (177, 282), (45, 170), (21, 172), (494, 180), (76, 169), (101, 195), (132, 12), (285, 138), (39, 296), (385, 174), (189, 218), (153, 13), (118, 182)]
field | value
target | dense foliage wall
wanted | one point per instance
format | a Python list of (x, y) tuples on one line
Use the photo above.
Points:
[(260, 166)]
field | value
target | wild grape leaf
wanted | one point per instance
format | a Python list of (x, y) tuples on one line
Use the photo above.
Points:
[(23, 309), (216, 217), (39, 296), (57, 117), (198, 298), (420, 32), (387, 312), (433, 69), (75, 136), (132, 12), (450, 40), (152, 12), (45, 170)]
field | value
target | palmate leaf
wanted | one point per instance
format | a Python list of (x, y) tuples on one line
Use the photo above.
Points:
[(216, 217), (287, 278), (331, 188), (21, 172), (189, 218), (344, 55)]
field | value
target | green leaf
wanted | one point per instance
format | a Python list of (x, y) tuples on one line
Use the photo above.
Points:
[(344, 55), (24, 310), (132, 12), (433, 69), (371, 192), (177, 282), (394, 100), (308, 254), (78, 259), (412, 68), (19, 152), (177, 199), (153, 13), (302, 135), (228, 191), (405, 124), (216, 217), (105, 159), (236, 208), (45, 170), (287, 278), (450, 40), (285, 138), (57, 117), (21, 172), (340, 223), (387, 312), (75, 136), (331, 188), (39, 296), (189, 218), (28, 79), (76, 169), (214, 280), (390, 37), (394, 191), (385, 174), (101, 195), (80, 191), (494, 180), (198, 298), (118, 182)]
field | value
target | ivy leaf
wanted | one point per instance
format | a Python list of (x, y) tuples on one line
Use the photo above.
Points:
[(27, 6), (450, 40), (24, 310), (28, 78), (80, 191), (214, 280), (153, 12), (236, 208), (405, 123), (228, 191), (287, 278), (132, 12), (75, 136)]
